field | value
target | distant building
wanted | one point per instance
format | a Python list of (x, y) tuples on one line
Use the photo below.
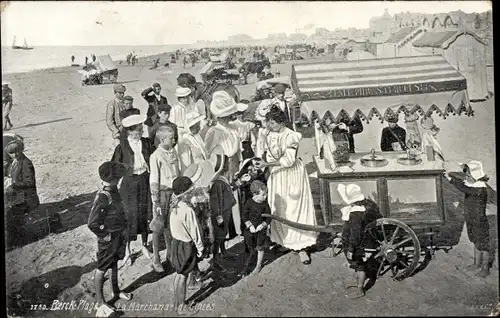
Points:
[(465, 51), (239, 38), (381, 25), (400, 43)]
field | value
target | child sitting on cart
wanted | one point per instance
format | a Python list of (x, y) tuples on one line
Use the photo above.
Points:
[(359, 212), (476, 197)]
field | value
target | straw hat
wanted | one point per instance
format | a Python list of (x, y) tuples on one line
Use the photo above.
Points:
[(350, 193), (200, 173), (475, 168), (4, 83), (224, 105), (182, 185), (119, 88), (216, 159), (133, 120), (182, 91), (193, 118)]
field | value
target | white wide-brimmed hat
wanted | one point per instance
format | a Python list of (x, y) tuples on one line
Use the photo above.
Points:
[(5, 83), (350, 193), (200, 173), (133, 120), (216, 159), (224, 105), (182, 91), (475, 168), (193, 118)]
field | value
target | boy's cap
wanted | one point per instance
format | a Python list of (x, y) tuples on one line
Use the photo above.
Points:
[(128, 112), (128, 97), (164, 108), (111, 170), (119, 88), (157, 85)]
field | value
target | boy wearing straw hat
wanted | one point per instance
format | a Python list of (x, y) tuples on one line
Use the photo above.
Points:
[(183, 107), (191, 146), (164, 165), (187, 244)]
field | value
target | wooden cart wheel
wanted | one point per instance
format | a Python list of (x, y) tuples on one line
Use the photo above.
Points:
[(398, 247)]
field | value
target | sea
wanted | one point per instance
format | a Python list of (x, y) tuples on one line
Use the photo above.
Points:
[(43, 57)]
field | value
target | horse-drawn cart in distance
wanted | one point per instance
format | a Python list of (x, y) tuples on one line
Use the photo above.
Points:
[(407, 188)]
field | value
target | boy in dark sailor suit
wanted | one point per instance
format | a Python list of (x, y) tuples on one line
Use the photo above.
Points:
[(108, 222)]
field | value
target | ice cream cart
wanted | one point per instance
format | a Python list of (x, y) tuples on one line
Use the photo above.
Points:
[(407, 187)]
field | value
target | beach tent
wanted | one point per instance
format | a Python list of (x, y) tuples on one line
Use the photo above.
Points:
[(104, 63), (373, 88)]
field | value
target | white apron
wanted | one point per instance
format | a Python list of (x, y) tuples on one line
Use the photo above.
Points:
[(289, 192)]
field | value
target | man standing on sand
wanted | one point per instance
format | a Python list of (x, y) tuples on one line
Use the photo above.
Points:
[(113, 110), (153, 96), (7, 105)]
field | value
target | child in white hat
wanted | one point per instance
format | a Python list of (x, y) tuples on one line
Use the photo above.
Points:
[(358, 213), (476, 196)]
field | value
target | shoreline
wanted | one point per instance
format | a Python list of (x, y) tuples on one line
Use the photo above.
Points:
[(142, 61)]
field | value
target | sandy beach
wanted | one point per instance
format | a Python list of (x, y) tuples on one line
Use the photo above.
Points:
[(66, 137)]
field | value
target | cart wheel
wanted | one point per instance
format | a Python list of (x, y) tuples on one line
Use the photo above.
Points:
[(398, 247)]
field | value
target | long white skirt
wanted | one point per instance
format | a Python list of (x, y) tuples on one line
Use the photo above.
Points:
[(290, 197)]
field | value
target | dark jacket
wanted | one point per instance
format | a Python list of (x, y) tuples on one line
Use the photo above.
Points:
[(353, 232), (153, 103), (355, 127), (389, 136), (22, 173), (125, 155), (252, 212), (221, 199), (107, 214)]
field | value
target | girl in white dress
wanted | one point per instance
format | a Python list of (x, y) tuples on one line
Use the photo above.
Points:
[(289, 192)]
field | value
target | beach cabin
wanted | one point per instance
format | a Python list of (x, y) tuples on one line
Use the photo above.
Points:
[(400, 43), (465, 51)]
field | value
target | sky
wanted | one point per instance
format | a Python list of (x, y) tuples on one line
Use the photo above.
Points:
[(164, 23)]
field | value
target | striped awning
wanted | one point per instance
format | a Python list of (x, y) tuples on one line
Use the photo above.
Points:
[(423, 84)]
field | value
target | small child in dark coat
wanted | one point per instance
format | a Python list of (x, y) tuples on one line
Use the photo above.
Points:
[(108, 222), (255, 225), (476, 196), (357, 215)]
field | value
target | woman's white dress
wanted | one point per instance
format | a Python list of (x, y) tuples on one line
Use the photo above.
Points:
[(289, 192)]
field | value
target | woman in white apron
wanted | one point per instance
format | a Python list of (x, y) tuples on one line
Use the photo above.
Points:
[(289, 192)]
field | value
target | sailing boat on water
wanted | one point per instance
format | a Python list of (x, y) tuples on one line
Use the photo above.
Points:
[(24, 47)]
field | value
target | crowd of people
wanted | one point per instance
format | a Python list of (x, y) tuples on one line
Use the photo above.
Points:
[(198, 183)]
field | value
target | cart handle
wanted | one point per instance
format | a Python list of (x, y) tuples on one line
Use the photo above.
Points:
[(300, 226)]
